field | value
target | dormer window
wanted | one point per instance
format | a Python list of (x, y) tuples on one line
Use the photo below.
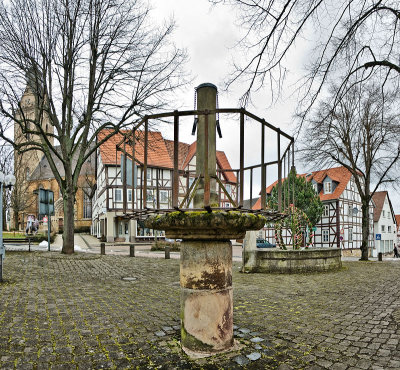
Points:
[(328, 187), (315, 187)]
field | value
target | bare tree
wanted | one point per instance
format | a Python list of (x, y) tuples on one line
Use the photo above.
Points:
[(352, 39), (6, 166), (360, 132), (90, 64)]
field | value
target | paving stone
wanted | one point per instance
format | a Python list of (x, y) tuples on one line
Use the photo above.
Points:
[(256, 340), (241, 360), (78, 313), (254, 356), (244, 330)]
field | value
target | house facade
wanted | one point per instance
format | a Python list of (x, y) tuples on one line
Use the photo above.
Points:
[(385, 231), (340, 224), (109, 221)]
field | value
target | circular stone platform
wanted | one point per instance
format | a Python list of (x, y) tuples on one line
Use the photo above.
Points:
[(216, 225), (292, 261)]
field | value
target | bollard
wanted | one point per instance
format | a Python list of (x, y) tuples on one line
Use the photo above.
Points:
[(29, 241), (380, 256), (167, 249), (102, 248), (132, 250)]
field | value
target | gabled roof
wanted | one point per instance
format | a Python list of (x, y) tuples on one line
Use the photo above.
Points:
[(339, 174), (43, 170), (160, 152), (379, 200)]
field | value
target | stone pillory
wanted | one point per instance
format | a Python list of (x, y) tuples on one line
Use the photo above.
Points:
[(205, 226)]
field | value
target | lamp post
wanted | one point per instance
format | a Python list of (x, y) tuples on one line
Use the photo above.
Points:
[(5, 182)]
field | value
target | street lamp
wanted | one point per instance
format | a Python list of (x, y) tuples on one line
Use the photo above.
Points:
[(6, 182)]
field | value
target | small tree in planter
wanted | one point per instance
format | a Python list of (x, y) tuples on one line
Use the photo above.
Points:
[(304, 213)]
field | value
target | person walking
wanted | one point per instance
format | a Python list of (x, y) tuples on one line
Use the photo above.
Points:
[(395, 251)]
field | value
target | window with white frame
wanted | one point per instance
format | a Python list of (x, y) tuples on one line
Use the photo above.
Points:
[(149, 195), (227, 205), (383, 213), (325, 235), (389, 229), (350, 209), (163, 196), (328, 187), (326, 210), (383, 228), (129, 195), (118, 195), (350, 235), (228, 188), (315, 187)]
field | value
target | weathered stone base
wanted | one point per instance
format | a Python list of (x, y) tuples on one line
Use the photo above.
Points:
[(206, 296), (292, 261)]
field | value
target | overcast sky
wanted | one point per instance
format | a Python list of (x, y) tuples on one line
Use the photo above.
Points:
[(209, 35)]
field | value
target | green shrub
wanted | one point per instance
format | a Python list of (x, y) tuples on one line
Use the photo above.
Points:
[(82, 229), (160, 245)]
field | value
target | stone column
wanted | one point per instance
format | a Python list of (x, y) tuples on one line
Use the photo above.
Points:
[(206, 295), (206, 100)]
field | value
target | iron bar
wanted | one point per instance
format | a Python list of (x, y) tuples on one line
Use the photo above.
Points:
[(279, 173), (226, 193), (241, 179), (206, 174), (251, 188), (175, 181), (124, 190), (133, 169), (146, 144), (263, 183), (157, 189)]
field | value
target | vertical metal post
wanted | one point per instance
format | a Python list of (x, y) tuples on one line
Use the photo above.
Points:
[(241, 181), (284, 182), (133, 169), (167, 254), (279, 173), (124, 189), (175, 180), (146, 143), (263, 184), (29, 243), (157, 189), (206, 173), (102, 249), (294, 178), (132, 250), (251, 187), (49, 225)]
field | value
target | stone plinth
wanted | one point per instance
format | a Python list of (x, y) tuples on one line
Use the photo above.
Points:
[(206, 273), (292, 261)]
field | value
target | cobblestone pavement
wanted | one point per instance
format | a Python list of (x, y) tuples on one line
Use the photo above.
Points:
[(68, 312)]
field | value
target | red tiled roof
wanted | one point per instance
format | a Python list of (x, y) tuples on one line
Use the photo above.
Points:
[(160, 151), (397, 221), (379, 199), (339, 174), (157, 150)]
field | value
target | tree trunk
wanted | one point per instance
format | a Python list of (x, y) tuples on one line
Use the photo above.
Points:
[(365, 229), (16, 219), (68, 232)]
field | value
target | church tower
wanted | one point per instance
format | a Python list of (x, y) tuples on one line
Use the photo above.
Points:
[(26, 119)]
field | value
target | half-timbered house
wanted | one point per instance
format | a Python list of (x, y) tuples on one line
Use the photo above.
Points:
[(340, 223), (109, 221)]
